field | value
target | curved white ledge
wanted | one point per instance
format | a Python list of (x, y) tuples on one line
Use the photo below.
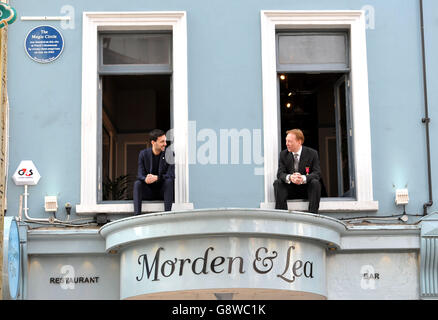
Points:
[(221, 223)]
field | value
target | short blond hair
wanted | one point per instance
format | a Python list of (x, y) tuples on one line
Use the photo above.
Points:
[(298, 134)]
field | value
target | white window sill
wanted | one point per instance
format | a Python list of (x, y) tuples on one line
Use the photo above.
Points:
[(328, 205), (127, 208)]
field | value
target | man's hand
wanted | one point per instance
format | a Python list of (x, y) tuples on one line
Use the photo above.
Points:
[(296, 178), (150, 178)]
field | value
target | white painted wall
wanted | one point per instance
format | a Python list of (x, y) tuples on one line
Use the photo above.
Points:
[(398, 276), (42, 268)]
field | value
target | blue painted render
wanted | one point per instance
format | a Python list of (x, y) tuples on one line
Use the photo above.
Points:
[(225, 92)]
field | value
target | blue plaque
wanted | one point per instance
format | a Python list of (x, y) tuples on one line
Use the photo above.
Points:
[(44, 44), (14, 259)]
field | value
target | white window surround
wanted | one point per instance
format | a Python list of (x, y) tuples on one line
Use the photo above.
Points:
[(93, 22), (355, 22)]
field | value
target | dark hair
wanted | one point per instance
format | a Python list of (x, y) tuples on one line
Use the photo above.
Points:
[(155, 134)]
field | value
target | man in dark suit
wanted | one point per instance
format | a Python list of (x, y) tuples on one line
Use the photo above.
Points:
[(299, 173), (155, 178)]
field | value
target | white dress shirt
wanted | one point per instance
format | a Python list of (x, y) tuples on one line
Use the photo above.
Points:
[(298, 158)]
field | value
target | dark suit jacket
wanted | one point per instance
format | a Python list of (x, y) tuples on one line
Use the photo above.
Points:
[(165, 170), (309, 158)]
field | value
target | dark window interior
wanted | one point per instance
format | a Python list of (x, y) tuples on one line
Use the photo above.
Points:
[(132, 105), (307, 102)]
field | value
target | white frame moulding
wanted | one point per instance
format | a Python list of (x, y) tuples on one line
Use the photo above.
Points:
[(355, 22), (93, 22)]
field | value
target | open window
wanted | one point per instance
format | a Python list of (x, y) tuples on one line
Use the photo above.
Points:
[(132, 106), (134, 79), (135, 74), (315, 78), (314, 71), (317, 104)]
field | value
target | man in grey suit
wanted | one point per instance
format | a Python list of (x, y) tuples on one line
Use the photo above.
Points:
[(299, 173)]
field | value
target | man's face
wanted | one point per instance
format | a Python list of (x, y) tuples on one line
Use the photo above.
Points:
[(292, 143), (160, 144)]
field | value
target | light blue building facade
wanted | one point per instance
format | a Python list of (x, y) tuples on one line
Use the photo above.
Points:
[(231, 81)]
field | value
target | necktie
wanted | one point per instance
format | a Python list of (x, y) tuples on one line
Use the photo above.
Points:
[(296, 162)]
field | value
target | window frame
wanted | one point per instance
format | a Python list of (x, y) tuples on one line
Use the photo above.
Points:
[(133, 68), (354, 21), (329, 67), (93, 24)]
